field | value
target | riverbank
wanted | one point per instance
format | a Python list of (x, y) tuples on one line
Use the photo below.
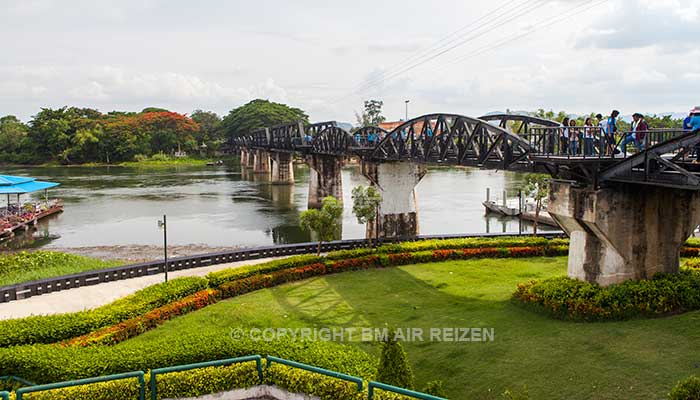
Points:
[(146, 163)]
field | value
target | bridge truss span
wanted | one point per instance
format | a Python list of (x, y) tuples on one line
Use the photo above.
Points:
[(453, 139)]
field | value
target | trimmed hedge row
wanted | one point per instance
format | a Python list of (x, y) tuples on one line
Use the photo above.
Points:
[(51, 363), (266, 280), (138, 325), (202, 381), (218, 278), (568, 298), (54, 328)]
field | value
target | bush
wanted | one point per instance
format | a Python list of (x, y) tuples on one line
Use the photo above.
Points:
[(300, 381), (435, 388), (569, 298), (50, 363), (394, 368), (160, 157), (687, 389), (201, 381), (55, 328), (138, 325), (692, 263)]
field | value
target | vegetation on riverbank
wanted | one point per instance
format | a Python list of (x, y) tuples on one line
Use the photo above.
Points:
[(29, 266)]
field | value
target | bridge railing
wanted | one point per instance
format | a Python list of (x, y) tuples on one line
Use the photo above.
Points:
[(591, 142)]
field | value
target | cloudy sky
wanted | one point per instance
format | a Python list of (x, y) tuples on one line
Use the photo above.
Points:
[(462, 56)]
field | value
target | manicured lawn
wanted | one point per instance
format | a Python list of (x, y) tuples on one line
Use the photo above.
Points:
[(24, 266), (639, 359)]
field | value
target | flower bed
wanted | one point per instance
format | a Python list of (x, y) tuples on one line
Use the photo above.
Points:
[(138, 325), (58, 327), (568, 298)]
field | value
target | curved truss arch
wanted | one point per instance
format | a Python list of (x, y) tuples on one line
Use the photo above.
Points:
[(333, 140), (453, 139), (518, 123)]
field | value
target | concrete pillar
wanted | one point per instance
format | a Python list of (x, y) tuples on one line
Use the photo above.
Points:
[(623, 232), (282, 168), (250, 159), (244, 158), (261, 164), (324, 178), (398, 211)]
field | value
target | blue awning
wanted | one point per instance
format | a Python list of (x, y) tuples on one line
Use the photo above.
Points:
[(21, 185)]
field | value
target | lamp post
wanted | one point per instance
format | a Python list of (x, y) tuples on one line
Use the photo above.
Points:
[(164, 226), (406, 101)]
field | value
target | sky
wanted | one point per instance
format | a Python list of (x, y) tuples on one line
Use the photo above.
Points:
[(326, 57)]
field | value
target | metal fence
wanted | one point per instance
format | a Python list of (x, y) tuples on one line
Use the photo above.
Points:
[(55, 284), (590, 142)]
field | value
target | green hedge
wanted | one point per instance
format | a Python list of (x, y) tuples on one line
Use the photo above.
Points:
[(218, 278), (203, 381), (300, 381), (50, 363), (568, 298), (58, 327), (687, 389)]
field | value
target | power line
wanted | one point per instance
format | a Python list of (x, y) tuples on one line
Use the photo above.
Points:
[(437, 45), (531, 8)]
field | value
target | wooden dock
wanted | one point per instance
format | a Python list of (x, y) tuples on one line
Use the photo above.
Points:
[(8, 233)]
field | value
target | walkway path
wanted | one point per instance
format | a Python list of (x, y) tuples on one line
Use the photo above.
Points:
[(87, 297)]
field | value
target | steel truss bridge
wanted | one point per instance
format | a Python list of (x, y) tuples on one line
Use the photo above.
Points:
[(500, 141)]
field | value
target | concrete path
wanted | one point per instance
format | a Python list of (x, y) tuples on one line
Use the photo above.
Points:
[(88, 297)]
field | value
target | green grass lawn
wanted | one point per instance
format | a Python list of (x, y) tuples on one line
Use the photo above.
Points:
[(25, 266), (639, 359)]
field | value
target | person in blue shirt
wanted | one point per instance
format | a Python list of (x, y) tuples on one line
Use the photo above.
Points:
[(694, 123), (611, 128), (686, 121)]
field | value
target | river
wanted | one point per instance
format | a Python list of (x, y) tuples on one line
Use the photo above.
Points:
[(223, 207)]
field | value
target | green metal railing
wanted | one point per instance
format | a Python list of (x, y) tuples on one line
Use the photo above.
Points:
[(376, 385), (59, 385), (310, 368), (17, 379), (4, 396), (187, 367)]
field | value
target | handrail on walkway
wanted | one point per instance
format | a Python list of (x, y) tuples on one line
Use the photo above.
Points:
[(59, 385), (383, 386), (311, 368), (217, 363), (4, 395), (17, 379)]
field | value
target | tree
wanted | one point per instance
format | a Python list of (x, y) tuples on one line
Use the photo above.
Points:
[(394, 368), (325, 222), (537, 187), (365, 206), (372, 114), (12, 133), (210, 132), (258, 114)]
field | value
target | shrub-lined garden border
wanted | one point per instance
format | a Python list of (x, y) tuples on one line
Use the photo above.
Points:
[(109, 324), (572, 299)]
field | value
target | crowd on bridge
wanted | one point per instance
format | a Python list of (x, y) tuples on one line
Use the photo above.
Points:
[(602, 136)]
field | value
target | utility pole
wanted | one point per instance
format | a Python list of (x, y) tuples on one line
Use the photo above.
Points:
[(406, 101), (164, 225)]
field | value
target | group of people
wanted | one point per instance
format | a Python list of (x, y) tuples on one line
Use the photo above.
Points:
[(14, 215), (598, 136)]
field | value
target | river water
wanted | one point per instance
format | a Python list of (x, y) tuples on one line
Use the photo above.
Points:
[(226, 207)]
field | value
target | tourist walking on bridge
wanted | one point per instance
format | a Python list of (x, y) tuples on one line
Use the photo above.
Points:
[(608, 132), (564, 137), (588, 137), (573, 138), (640, 131)]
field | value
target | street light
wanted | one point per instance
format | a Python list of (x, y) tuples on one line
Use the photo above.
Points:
[(406, 101), (164, 226)]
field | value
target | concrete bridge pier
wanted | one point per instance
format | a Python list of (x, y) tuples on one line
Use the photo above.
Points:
[(623, 232), (398, 211), (282, 168), (261, 162), (325, 178), (245, 154)]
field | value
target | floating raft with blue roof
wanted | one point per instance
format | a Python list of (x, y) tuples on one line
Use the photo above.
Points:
[(18, 217)]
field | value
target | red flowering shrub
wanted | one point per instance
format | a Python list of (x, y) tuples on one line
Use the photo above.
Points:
[(138, 325)]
